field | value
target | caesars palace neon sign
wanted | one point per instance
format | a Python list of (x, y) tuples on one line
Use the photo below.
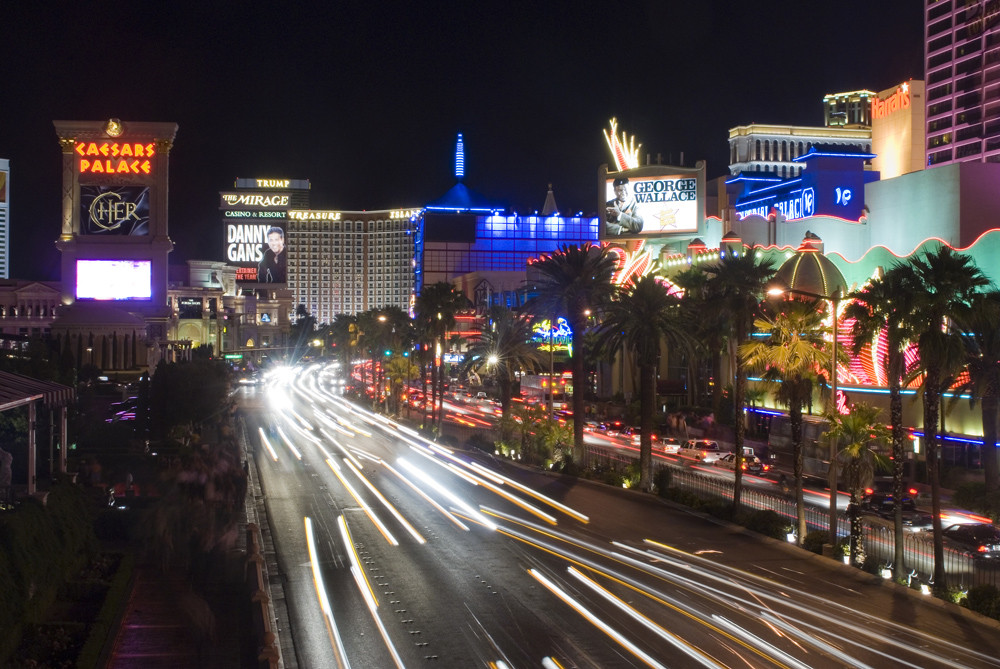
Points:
[(114, 157)]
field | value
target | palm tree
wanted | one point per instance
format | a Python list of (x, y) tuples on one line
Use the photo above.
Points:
[(883, 308), (502, 350), (979, 325), (707, 323), (947, 282), (399, 369), (436, 308), (736, 286), (575, 282), (861, 432), (789, 356), (641, 318)]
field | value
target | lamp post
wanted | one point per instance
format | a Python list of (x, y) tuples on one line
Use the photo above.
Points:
[(834, 299)]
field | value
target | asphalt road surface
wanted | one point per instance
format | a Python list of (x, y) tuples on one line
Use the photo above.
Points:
[(396, 552)]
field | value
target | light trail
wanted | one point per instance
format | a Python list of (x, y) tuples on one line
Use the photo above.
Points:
[(290, 445), (339, 654), (368, 595), (594, 620), (367, 509), (447, 514), (389, 507), (670, 638), (454, 499), (267, 444)]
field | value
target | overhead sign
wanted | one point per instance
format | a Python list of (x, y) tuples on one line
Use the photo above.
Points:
[(114, 157), (254, 200), (114, 210), (900, 99), (641, 206)]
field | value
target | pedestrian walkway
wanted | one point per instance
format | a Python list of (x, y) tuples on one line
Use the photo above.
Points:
[(168, 624)]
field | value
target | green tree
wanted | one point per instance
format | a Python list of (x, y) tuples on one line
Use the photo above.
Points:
[(574, 282), (735, 288), (399, 369), (707, 324), (946, 284), (641, 318), (862, 434), (503, 350), (981, 336), (436, 308), (789, 356), (882, 308)]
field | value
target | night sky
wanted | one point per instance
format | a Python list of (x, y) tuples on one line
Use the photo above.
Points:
[(365, 99)]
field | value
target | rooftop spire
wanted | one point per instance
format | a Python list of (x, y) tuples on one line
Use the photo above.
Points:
[(459, 158)]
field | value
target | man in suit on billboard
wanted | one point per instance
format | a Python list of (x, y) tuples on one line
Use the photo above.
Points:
[(271, 268), (622, 218)]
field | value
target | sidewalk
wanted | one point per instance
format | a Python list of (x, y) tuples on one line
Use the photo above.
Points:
[(167, 624)]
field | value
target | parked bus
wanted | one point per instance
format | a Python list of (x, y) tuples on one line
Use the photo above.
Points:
[(815, 447)]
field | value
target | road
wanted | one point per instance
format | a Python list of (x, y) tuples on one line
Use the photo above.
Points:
[(396, 552)]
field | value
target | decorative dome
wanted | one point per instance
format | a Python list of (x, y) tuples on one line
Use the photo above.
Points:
[(809, 271)]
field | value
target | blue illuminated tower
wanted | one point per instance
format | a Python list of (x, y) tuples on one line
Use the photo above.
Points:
[(459, 158)]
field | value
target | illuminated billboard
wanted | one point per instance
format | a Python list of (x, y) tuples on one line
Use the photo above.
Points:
[(114, 279), (258, 251), (115, 157), (114, 210), (3, 186), (652, 201)]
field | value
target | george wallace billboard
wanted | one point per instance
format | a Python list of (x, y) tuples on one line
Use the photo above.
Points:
[(651, 201)]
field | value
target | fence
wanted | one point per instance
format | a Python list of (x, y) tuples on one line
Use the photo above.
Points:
[(963, 570)]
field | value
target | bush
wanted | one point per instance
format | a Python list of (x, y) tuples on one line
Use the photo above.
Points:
[(815, 540), (767, 522), (985, 600), (480, 442), (662, 480)]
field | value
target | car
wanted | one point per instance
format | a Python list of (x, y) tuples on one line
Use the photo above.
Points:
[(668, 445), (884, 486), (884, 506), (634, 434), (613, 428), (751, 463), (705, 450), (980, 539)]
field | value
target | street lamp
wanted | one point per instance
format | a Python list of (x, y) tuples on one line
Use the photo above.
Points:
[(834, 298)]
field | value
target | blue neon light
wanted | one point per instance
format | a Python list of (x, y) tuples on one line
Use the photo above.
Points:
[(459, 158)]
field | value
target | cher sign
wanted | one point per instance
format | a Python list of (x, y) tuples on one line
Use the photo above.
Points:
[(114, 157)]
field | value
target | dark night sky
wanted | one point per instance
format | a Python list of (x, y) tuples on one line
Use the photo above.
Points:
[(365, 99)]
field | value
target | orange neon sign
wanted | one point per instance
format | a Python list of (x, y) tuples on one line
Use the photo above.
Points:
[(900, 99), (115, 157)]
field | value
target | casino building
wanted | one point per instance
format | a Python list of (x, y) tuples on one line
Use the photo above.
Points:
[(962, 70), (4, 219)]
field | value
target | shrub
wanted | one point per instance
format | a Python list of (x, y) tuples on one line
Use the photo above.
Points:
[(815, 540), (985, 600), (719, 509), (662, 480), (481, 442), (767, 522)]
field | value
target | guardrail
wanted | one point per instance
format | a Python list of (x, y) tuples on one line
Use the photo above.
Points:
[(268, 655), (964, 570)]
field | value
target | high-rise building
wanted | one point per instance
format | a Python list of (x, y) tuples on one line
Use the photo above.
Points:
[(4, 219), (962, 73), (847, 109), (351, 261)]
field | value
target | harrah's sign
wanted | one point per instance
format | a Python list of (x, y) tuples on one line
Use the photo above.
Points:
[(898, 100)]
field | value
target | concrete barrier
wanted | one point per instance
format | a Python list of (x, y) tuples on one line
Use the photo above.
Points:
[(268, 655)]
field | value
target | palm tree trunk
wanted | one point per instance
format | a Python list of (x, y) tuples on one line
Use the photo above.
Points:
[(990, 407), (932, 403), (898, 444), (739, 394), (576, 364), (647, 398), (795, 422)]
